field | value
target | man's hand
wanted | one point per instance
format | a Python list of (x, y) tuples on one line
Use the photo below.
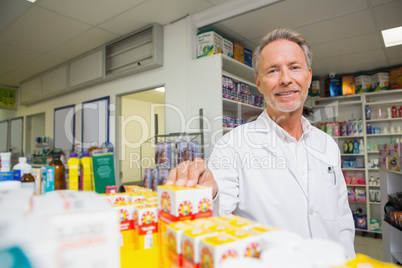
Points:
[(192, 173)]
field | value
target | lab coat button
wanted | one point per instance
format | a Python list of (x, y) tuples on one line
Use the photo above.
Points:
[(311, 212)]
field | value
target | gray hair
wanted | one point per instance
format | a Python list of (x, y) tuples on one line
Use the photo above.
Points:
[(287, 34)]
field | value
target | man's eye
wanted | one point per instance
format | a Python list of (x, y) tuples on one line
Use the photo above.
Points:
[(295, 68)]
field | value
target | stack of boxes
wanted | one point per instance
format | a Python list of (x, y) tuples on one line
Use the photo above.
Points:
[(390, 156)]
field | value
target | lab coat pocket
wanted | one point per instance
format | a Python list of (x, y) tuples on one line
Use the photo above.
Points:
[(328, 197)]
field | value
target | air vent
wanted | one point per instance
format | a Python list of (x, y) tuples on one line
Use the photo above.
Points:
[(137, 52)]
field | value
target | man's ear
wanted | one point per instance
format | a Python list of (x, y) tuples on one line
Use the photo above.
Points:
[(258, 83)]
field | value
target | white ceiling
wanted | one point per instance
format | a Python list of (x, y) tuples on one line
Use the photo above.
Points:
[(345, 35)]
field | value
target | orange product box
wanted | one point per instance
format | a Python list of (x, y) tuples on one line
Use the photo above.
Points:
[(348, 85), (250, 243), (395, 78), (238, 51), (145, 225)]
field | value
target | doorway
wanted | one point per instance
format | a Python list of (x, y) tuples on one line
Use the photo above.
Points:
[(35, 127), (136, 127)]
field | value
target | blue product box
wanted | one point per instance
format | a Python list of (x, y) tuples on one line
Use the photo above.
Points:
[(6, 176), (333, 87), (248, 55), (47, 179)]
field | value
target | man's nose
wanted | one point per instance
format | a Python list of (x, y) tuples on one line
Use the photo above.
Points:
[(285, 77)]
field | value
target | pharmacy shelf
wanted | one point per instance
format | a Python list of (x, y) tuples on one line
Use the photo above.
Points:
[(347, 137), (384, 120), (373, 169), (352, 154), (357, 202), (374, 203), (233, 106), (374, 186), (384, 135), (373, 152), (391, 171), (368, 231), (356, 185), (353, 169)]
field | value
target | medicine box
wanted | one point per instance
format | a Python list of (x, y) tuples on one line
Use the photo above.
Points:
[(380, 81), (174, 233), (248, 57), (227, 48), (333, 87), (37, 174), (47, 183), (209, 43), (314, 90), (190, 245), (238, 51), (214, 250), (395, 78), (362, 83), (348, 85), (175, 200)]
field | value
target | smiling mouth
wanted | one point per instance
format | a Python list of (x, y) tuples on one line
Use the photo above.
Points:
[(286, 93)]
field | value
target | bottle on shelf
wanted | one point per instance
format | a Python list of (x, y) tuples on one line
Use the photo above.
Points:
[(345, 147), (350, 128), (330, 129), (350, 147), (368, 112), (73, 171), (86, 176), (28, 181), (355, 128), (355, 147), (394, 112), (379, 112), (360, 127), (344, 129), (368, 129), (389, 112), (400, 111), (361, 146), (59, 172)]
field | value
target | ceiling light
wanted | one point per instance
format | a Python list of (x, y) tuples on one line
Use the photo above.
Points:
[(32, 1), (160, 89), (392, 37)]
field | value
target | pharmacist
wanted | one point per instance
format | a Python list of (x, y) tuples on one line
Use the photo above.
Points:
[(279, 170)]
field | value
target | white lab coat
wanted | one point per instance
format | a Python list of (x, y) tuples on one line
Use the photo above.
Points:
[(259, 180)]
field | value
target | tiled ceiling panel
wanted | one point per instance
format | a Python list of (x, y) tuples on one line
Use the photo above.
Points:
[(388, 15)]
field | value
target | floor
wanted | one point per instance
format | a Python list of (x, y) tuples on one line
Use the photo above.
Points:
[(369, 246)]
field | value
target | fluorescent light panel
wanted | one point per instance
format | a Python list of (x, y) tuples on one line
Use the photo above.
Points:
[(392, 37), (32, 1), (160, 89)]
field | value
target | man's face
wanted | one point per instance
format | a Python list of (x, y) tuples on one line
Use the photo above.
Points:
[(283, 76)]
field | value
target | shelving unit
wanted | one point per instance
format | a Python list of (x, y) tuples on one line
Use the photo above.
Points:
[(391, 182), (343, 108)]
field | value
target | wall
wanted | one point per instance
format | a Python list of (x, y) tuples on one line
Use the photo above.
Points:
[(173, 76)]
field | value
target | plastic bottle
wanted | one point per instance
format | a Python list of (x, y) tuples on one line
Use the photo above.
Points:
[(350, 147), (394, 112), (360, 127), (379, 112), (59, 172), (350, 128), (368, 112), (355, 128), (355, 147), (389, 112), (73, 164), (400, 111), (368, 129), (5, 162), (361, 147), (86, 172), (344, 129), (28, 181), (345, 147), (21, 168), (330, 129)]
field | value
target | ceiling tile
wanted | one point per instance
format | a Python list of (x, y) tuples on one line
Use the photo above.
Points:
[(283, 14), (347, 46), (10, 10), (13, 78), (339, 28), (389, 15), (394, 53), (380, 2), (89, 40), (163, 12), (41, 30), (12, 57), (89, 11), (40, 64)]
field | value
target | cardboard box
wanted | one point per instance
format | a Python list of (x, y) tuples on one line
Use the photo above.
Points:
[(214, 250), (380, 81), (314, 90), (333, 87), (348, 85), (362, 83), (395, 78), (248, 57), (228, 48), (37, 174), (47, 183), (190, 243), (209, 43), (238, 51), (174, 233)]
